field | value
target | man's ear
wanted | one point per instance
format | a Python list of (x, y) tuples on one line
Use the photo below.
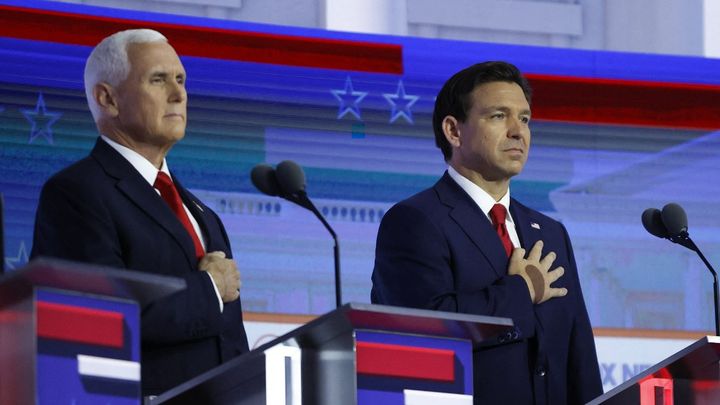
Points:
[(451, 130), (105, 98)]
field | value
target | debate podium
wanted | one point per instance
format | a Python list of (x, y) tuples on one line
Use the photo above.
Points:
[(70, 332), (688, 377), (357, 354)]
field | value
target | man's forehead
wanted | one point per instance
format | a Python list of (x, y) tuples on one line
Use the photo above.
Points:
[(156, 55), (499, 94)]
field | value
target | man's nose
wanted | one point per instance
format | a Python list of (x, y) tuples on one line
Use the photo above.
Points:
[(178, 93), (516, 128)]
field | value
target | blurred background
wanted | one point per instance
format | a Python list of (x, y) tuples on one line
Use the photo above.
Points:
[(626, 108)]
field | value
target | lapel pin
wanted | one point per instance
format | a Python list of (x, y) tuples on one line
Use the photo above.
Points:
[(534, 225)]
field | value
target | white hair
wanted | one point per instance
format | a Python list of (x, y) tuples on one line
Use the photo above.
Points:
[(109, 63)]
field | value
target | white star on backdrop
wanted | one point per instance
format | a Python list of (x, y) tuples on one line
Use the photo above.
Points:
[(349, 100), (20, 260), (401, 103), (41, 120)]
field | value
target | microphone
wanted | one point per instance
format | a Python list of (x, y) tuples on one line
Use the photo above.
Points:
[(291, 179), (672, 224), (675, 220), (288, 181), (263, 178), (653, 223)]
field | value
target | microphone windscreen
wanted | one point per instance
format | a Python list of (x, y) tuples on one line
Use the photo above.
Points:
[(264, 179), (290, 177), (653, 223), (675, 219)]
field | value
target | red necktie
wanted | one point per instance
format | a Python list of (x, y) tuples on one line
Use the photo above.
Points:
[(170, 194), (497, 214)]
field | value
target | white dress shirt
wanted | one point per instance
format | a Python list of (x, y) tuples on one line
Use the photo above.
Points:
[(149, 172), (485, 201)]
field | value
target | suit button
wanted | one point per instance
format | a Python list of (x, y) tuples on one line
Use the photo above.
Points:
[(540, 372)]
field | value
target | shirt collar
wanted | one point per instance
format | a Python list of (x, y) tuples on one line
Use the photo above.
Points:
[(480, 196), (146, 169)]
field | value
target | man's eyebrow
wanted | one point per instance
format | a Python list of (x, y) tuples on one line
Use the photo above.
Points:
[(503, 108), (164, 74)]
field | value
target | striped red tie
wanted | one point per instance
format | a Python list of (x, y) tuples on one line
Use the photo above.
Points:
[(170, 194)]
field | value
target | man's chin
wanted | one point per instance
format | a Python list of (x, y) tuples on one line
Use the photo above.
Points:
[(176, 134)]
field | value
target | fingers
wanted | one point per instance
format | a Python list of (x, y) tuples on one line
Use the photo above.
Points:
[(517, 254), (517, 260), (224, 273), (535, 270), (216, 255), (554, 275), (550, 292), (210, 257), (233, 294), (556, 292), (547, 261), (535, 252)]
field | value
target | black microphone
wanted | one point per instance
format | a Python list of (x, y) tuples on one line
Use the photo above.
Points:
[(672, 224), (263, 178), (653, 223), (291, 179), (288, 181), (675, 219)]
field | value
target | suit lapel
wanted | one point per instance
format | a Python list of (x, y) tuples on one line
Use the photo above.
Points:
[(473, 223), (527, 227), (197, 210), (135, 188)]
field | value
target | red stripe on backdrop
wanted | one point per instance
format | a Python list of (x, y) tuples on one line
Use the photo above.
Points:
[(79, 325), (557, 98), (625, 102), (387, 360), (81, 29)]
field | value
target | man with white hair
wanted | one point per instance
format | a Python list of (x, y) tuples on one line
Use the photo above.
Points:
[(121, 207)]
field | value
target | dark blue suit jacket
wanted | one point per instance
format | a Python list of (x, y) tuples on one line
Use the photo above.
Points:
[(101, 210), (437, 250)]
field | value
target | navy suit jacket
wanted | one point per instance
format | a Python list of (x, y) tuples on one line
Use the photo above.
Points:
[(101, 210), (437, 250)]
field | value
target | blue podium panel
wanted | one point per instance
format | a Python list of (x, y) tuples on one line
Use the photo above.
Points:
[(88, 349), (390, 364)]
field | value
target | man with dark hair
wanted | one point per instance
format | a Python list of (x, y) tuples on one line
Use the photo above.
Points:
[(122, 207), (460, 246)]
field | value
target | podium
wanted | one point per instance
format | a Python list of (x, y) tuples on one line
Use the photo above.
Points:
[(690, 376), (70, 332), (357, 354)]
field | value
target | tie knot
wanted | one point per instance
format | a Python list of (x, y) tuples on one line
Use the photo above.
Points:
[(497, 214), (162, 181), (168, 192)]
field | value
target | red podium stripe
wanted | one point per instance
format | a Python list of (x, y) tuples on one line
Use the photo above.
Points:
[(81, 29), (79, 325), (625, 102), (388, 360)]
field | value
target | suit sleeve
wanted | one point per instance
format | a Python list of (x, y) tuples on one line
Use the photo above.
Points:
[(584, 383), (414, 268), (73, 223)]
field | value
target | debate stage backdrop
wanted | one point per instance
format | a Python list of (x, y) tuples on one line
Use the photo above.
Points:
[(613, 134)]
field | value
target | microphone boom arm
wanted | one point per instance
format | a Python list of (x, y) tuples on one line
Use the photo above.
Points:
[(300, 198), (684, 239)]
